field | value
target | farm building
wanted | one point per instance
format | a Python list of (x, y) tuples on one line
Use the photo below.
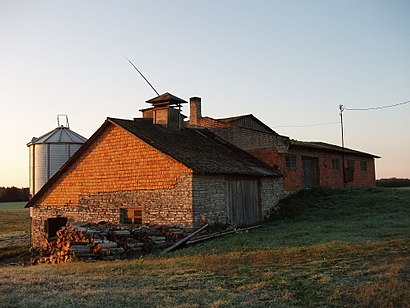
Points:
[(303, 164), (148, 170), (162, 170)]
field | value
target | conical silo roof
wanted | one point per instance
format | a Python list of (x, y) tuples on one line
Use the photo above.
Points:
[(61, 134)]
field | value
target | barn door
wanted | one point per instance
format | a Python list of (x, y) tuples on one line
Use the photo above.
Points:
[(242, 201), (309, 172)]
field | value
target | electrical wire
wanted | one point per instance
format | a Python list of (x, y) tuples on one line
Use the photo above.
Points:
[(308, 125), (379, 107), (342, 109)]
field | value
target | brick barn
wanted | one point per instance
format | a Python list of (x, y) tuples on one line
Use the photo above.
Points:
[(303, 164), (151, 171)]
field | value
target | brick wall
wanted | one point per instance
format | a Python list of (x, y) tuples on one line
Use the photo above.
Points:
[(272, 149), (253, 140), (327, 176), (211, 123)]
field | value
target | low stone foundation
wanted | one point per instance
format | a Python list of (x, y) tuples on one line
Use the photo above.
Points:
[(159, 207), (193, 200)]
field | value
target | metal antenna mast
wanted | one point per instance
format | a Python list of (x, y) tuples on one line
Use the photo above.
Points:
[(142, 75)]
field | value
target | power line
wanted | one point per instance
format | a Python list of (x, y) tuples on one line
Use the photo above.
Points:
[(307, 125), (342, 108), (374, 108)]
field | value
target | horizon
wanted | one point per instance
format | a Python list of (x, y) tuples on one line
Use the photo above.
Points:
[(289, 63)]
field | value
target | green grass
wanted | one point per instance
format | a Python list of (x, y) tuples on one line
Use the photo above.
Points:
[(328, 248), (14, 231)]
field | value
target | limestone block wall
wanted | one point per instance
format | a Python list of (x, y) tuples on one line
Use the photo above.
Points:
[(209, 199), (271, 193), (171, 206)]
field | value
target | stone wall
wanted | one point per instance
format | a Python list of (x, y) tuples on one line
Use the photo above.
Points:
[(209, 200), (272, 192), (171, 206), (209, 197)]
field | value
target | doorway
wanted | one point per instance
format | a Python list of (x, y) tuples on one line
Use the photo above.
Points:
[(310, 172)]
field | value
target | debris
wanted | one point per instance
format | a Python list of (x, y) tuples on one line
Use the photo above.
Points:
[(185, 239), (91, 242)]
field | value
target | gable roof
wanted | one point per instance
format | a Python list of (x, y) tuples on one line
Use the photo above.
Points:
[(248, 121), (198, 149), (329, 147)]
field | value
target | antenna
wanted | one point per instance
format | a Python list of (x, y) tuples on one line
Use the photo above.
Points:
[(142, 76)]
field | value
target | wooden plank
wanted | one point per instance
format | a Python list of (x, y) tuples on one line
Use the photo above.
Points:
[(185, 239), (219, 234)]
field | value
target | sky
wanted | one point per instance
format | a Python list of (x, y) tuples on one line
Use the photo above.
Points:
[(289, 63)]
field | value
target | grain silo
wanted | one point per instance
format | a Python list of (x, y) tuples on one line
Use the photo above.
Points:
[(50, 151)]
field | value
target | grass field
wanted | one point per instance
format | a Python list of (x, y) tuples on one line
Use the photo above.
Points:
[(337, 248), (14, 230)]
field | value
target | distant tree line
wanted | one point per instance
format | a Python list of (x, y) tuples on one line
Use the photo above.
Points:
[(393, 182), (12, 194)]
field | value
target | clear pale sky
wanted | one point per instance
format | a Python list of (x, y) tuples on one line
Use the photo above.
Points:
[(289, 63)]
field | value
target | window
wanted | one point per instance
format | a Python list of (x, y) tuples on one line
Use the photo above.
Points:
[(131, 215), (291, 161), (363, 165), (335, 164), (52, 225)]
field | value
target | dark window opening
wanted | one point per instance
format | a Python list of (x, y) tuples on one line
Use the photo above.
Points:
[(52, 225), (291, 161), (335, 164), (363, 165), (131, 216)]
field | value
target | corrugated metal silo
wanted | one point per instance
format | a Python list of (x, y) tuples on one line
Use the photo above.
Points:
[(49, 152)]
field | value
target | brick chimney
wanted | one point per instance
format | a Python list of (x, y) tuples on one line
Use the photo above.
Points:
[(194, 110)]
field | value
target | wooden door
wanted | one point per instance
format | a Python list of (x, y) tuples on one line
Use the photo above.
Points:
[(243, 201), (309, 172)]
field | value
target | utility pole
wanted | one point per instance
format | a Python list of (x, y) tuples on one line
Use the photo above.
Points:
[(341, 108)]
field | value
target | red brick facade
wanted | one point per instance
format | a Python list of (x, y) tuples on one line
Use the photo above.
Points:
[(327, 174), (273, 150)]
